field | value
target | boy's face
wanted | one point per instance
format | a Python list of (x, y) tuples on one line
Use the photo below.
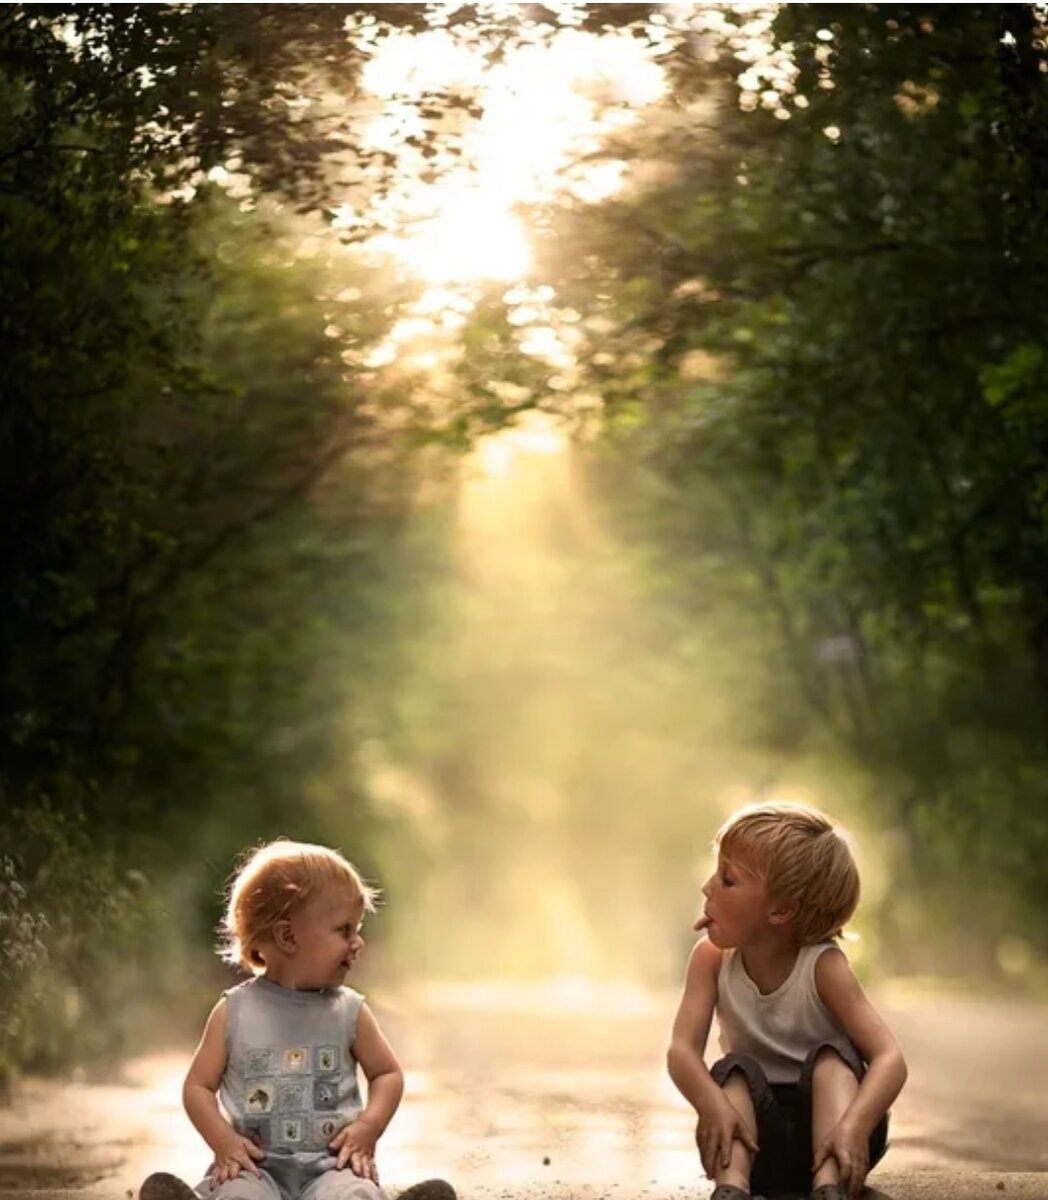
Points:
[(737, 910), (326, 931)]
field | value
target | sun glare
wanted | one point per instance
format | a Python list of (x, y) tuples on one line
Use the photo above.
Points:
[(546, 106), (536, 434), (470, 239)]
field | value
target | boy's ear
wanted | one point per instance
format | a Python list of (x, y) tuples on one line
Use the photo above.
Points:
[(284, 937), (783, 911)]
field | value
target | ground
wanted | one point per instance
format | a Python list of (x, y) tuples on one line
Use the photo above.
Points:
[(513, 1094)]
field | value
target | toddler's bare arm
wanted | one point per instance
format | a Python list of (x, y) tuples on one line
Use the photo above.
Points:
[(355, 1143), (233, 1152)]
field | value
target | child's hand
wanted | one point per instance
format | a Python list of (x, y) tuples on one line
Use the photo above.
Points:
[(235, 1154), (719, 1126), (851, 1148), (355, 1144)]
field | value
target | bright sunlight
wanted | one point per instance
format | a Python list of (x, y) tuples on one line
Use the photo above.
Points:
[(546, 109)]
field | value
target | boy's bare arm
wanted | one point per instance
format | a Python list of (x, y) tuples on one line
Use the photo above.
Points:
[(691, 1028), (842, 994), (720, 1124), (200, 1098)]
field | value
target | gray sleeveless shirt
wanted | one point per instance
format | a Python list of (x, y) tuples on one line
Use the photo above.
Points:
[(290, 1081)]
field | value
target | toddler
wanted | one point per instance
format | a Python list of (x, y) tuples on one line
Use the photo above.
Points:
[(281, 1050), (799, 1101)]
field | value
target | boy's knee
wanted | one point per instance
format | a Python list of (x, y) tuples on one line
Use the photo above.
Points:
[(828, 1058), (748, 1072), (830, 1062), (743, 1064)]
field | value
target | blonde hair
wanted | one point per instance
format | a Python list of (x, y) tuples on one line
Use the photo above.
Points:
[(801, 856), (273, 880)]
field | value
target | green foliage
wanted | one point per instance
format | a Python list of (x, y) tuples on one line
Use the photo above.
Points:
[(77, 953), (204, 499), (22, 933), (813, 394), (820, 331)]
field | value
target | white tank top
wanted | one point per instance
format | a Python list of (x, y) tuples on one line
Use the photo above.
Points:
[(780, 1029)]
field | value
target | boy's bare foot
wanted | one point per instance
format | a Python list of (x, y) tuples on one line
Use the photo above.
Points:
[(428, 1189), (162, 1186)]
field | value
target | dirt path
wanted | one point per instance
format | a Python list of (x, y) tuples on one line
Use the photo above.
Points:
[(507, 1102)]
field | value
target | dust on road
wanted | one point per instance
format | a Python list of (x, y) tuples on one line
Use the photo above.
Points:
[(519, 1091)]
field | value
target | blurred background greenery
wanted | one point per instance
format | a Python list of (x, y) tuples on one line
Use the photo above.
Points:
[(497, 441)]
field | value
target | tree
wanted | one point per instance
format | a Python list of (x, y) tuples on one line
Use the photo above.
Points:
[(819, 328), (195, 463)]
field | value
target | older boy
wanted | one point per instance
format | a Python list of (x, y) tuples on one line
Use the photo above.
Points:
[(799, 1102)]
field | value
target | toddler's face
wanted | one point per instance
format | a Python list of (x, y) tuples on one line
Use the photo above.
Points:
[(737, 906), (327, 937)]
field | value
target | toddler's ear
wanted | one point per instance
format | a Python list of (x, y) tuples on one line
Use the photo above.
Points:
[(284, 937)]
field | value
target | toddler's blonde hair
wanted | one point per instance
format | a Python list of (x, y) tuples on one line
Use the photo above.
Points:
[(801, 856), (272, 881)]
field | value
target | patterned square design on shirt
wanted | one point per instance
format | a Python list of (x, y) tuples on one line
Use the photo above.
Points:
[(328, 1059), (258, 1129), (260, 1097), (327, 1126), (296, 1060), (291, 1129), (258, 1060), (292, 1095), (325, 1094)]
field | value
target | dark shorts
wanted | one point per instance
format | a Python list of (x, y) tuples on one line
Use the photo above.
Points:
[(783, 1110)]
